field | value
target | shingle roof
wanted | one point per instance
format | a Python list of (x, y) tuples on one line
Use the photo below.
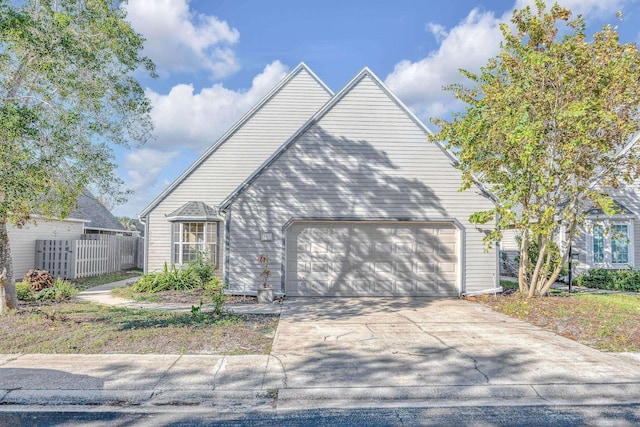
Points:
[(91, 209), (193, 210)]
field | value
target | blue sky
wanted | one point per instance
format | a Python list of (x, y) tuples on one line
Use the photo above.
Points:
[(216, 59)]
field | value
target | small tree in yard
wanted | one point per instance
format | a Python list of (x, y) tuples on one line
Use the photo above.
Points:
[(66, 93), (547, 119)]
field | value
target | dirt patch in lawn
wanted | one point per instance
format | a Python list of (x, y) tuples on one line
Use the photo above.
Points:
[(191, 297), (608, 322), (78, 327)]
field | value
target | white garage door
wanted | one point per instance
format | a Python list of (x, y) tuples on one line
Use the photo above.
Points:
[(373, 258)]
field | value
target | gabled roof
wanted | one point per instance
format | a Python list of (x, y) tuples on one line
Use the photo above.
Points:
[(195, 211), (365, 72), (98, 216), (301, 67), (619, 208)]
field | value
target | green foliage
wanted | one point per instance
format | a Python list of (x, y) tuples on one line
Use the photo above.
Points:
[(552, 113), (194, 275), (196, 312), (67, 95), (24, 291), (615, 280), (214, 290), (60, 291), (202, 268), (552, 254)]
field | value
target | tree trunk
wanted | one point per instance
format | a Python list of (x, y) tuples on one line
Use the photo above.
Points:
[(522, 265), (11, 297)]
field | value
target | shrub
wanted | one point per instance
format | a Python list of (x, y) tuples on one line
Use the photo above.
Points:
[(195, 275), (214, 290), (203, 269), (60, 291), (25, 291), (615, 280)]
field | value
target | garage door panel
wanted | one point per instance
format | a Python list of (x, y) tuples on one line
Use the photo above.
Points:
[(355, 258), (405, 266), (320, 267), (405, 288), (384, 287), (404, 248), (360, 287), (383, 248)]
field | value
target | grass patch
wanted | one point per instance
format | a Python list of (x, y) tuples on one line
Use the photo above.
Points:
[(89, 282), (92, 328), (609, 322)]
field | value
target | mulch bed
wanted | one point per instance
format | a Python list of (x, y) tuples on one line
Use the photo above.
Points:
[(193, 297)]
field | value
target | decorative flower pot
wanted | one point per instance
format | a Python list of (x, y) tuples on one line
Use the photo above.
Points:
[(265, 295)]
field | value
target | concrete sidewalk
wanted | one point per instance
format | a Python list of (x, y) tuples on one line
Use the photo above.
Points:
[(343, 353), (235, 383)]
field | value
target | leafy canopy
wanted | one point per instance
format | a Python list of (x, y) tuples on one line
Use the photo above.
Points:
[(546, 119), (67, 92)]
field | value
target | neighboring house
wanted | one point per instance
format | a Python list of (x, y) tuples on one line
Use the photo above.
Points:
[(89, 217), (610, 242), (344, 193)]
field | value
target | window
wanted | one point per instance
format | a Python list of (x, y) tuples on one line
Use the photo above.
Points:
[(191, 239), (610, 244), (619, 244), (598, 243)]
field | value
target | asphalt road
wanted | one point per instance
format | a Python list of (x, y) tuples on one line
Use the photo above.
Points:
[(611, 415)]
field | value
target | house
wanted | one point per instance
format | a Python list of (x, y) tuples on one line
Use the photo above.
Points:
[(90, 216), (342, 192), (609, 242)]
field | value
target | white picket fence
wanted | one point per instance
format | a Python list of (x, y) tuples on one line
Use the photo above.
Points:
[(93, 255)]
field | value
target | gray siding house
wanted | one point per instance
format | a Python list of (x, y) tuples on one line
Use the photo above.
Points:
[(344, 193)]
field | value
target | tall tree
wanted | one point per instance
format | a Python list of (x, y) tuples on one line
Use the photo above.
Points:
[(547, 129), (67, 92)]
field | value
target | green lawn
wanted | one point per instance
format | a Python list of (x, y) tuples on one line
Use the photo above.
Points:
[(89, 282), (608, 322), (77, 327)]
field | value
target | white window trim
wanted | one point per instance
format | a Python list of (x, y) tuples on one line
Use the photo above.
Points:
[(180, 243), (607, 224)]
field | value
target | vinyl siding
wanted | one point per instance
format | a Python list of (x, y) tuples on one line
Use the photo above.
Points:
[(509, 240), (364, 159), (236, 159), (629, 196), (23, 241)]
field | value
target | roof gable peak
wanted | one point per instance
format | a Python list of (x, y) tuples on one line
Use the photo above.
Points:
[(230, 132)]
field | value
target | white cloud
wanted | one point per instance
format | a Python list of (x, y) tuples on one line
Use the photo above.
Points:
[(179, 40), (144, 166), (194, 121), (584, 7), (468, 45), (438, 31)]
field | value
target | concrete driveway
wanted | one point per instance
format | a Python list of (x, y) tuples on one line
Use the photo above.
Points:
[(429, 350)]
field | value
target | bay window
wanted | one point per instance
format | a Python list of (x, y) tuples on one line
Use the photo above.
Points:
[(193, 239)]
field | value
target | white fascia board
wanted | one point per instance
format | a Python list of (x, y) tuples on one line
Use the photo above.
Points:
[(302, 66)]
